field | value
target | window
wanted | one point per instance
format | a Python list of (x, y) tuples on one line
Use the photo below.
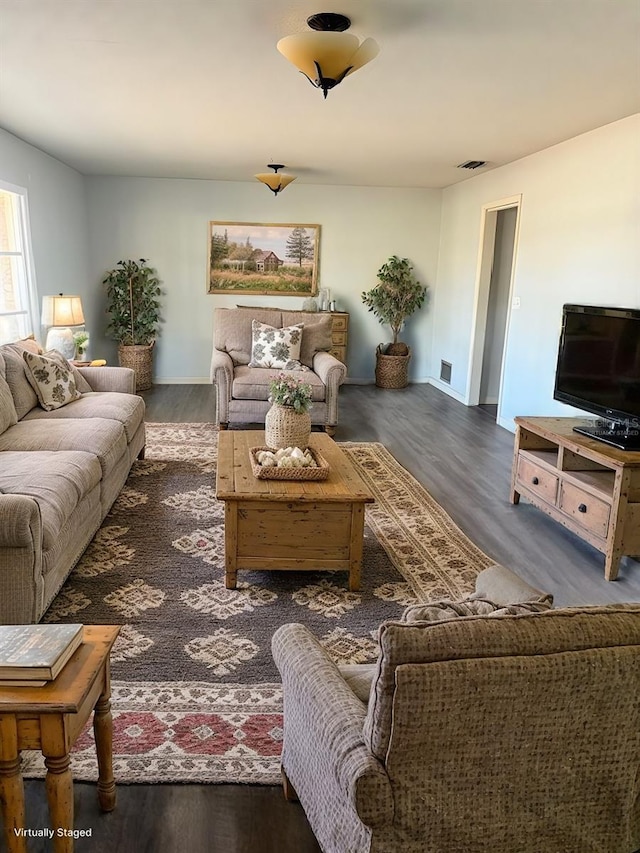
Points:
[(18, 311)]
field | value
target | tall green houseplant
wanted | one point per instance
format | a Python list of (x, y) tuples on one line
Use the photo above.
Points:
[(133, 305), (396, 296)]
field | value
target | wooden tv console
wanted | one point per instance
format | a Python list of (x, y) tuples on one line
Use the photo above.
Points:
[(591, 488)]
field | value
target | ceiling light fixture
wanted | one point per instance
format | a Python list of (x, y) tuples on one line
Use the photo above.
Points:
[(327, 55), (275, 182)]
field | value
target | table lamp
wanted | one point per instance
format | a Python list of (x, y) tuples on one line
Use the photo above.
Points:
[(59, 313)]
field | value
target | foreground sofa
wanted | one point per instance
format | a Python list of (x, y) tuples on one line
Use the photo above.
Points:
[(60, 472), (514, 730), (242, 392)]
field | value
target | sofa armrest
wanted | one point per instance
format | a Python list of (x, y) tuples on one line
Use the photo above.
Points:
[(324, 750), (333, 373), (221, 374), (20, 525), (121, 379), (21, 579), (330, 369), (502, 586)]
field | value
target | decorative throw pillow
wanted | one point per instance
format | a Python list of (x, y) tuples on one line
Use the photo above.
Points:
[(53, 383), (317, 336), (31, 344), (81, 383), (8, 415), (276, 348)]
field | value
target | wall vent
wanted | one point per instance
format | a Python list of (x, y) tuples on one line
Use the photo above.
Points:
[(472, 164), (445, 372)]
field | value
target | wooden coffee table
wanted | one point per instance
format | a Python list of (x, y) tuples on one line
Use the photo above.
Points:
[(290, 525), (50, 718)]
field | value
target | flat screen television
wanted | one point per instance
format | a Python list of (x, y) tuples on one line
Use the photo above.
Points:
[(598, 371)]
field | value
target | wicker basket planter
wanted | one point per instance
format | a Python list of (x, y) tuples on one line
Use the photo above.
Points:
[(140, 359), (284, 427), (392, 371)]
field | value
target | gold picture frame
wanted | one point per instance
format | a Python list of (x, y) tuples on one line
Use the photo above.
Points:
[(269, 259)]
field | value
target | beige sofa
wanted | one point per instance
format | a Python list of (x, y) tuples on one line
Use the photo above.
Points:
[(516, 728), (242, 392), (60, 472)]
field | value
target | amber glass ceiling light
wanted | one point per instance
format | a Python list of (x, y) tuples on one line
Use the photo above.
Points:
[(275, 182), (327, 55)]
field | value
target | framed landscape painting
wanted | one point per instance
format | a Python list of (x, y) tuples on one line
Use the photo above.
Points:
[(270, 260)]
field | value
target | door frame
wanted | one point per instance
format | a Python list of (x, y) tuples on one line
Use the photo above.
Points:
[(484, 269)]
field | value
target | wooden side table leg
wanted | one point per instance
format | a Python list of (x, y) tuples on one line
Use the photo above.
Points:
[(230, 544), (59, 787), (103, 730), (11, 789), (514, 495), (287, 788), (611, 566)]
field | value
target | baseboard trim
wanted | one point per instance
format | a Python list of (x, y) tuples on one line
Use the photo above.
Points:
[(447, 389), (181, 380), (506, 423)]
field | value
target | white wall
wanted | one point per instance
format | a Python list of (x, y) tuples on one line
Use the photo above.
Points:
[(166, 222), (579, 242), (57, 213)]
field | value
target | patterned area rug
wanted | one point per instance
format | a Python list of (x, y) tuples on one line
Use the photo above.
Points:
[(196, 696)]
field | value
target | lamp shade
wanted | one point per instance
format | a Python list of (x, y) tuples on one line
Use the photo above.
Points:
[(275, 181), (333, 52), (62, 311)]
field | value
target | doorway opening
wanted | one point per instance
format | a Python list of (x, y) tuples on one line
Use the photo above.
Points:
[(493, 305)]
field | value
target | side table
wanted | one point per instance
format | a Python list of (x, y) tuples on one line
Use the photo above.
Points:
[(49, 719)]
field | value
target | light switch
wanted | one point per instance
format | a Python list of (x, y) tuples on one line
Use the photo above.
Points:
[(515, 302)]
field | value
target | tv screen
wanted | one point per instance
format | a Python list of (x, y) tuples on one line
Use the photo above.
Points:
[(599, 368)]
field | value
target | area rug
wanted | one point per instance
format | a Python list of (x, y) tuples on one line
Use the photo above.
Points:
[(195, 694)]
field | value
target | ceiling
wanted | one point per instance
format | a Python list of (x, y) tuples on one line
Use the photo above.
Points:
[(197, 89)]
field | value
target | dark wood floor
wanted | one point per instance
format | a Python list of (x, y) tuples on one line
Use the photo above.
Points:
[(464, 460)]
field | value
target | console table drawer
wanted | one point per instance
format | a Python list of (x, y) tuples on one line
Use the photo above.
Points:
[(589, 512), (340, 322), (538, 480)]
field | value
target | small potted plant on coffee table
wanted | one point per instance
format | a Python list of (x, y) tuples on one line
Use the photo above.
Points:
[(396, 296), (288, 422)]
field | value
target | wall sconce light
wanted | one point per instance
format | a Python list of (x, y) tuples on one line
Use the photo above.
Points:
[(58, 313), (275, 182), (327, 55)]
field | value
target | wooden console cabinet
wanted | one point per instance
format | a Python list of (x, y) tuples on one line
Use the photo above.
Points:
[(339, 335), (589, 487)]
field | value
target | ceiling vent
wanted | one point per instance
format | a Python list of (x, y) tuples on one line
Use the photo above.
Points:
[(472, 164)]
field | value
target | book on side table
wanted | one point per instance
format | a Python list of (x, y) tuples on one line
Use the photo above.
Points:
[(32, 655)]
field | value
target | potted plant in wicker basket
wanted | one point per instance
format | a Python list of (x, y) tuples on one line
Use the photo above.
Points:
[(288, 422), (134, 313), (396, 296)]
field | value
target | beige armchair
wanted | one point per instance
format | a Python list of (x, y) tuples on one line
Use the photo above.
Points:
[(513, 731), (242, 392)]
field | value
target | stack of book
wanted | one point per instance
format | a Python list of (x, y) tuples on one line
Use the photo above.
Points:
[(33, 655)]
